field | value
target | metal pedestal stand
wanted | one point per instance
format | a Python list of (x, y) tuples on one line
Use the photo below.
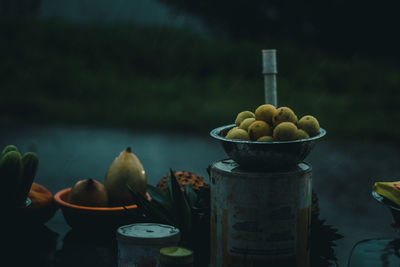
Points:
[(260, 218)]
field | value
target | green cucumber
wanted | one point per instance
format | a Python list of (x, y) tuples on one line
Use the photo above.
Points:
[(10, 175), (8, 149), (30, 163)]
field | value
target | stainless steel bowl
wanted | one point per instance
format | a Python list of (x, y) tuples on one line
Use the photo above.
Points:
[(265, 155)]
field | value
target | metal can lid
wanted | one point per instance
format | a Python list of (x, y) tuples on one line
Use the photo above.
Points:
[(176, 255), (148, 234)]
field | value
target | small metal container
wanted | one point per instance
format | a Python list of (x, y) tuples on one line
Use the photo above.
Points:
[(176, 257), (139, 244), (259, 218)]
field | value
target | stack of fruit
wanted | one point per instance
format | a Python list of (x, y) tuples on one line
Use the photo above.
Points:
[(269, 123), (17, 173)]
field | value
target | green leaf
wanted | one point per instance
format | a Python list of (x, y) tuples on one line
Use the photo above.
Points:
[(150, 210), (161, 197), (182, 209), (176, 192), (191, 195)]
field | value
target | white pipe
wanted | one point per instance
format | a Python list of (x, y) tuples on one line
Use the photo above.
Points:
[(270, 71)]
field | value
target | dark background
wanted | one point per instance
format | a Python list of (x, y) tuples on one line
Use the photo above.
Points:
[(81, 80), (176, 65)]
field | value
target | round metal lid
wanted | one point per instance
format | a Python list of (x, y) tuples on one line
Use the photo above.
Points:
[(148, 234)]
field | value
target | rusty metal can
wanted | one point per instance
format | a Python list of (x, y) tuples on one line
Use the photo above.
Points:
[(259, 218)]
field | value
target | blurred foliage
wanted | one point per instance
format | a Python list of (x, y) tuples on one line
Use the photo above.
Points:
[(337, 26), (19, 8), (162, 78)]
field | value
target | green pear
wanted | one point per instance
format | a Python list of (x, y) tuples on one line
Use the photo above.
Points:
[(125, 173)]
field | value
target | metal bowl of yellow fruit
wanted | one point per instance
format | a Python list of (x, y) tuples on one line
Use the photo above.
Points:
[(265, 155)]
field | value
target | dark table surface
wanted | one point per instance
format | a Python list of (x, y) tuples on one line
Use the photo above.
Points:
[(42, 246), (379, 252), (56, 244)]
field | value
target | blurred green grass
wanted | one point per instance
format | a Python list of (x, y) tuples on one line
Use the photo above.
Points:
[(162, 78)]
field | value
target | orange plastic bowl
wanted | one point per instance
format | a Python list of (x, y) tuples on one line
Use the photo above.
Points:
[(95, 217)]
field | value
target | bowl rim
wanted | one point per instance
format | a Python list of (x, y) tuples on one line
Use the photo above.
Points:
[(382, 200), (215, 133), (57, 198)]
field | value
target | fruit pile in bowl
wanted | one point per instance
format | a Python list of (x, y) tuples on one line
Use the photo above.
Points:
[(90, 204), (269, 137)]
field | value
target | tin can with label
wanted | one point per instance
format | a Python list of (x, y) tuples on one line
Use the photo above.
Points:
[(139, 244), (259, 218)]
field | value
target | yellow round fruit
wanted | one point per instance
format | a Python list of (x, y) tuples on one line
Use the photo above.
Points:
[(246, 123), (236, 127), (265, 113), (309, 124), (88, 192), (258, 129), (237, 133), (284, 114), (241, 116), (301, 134), (265, 138), (285, 131)]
